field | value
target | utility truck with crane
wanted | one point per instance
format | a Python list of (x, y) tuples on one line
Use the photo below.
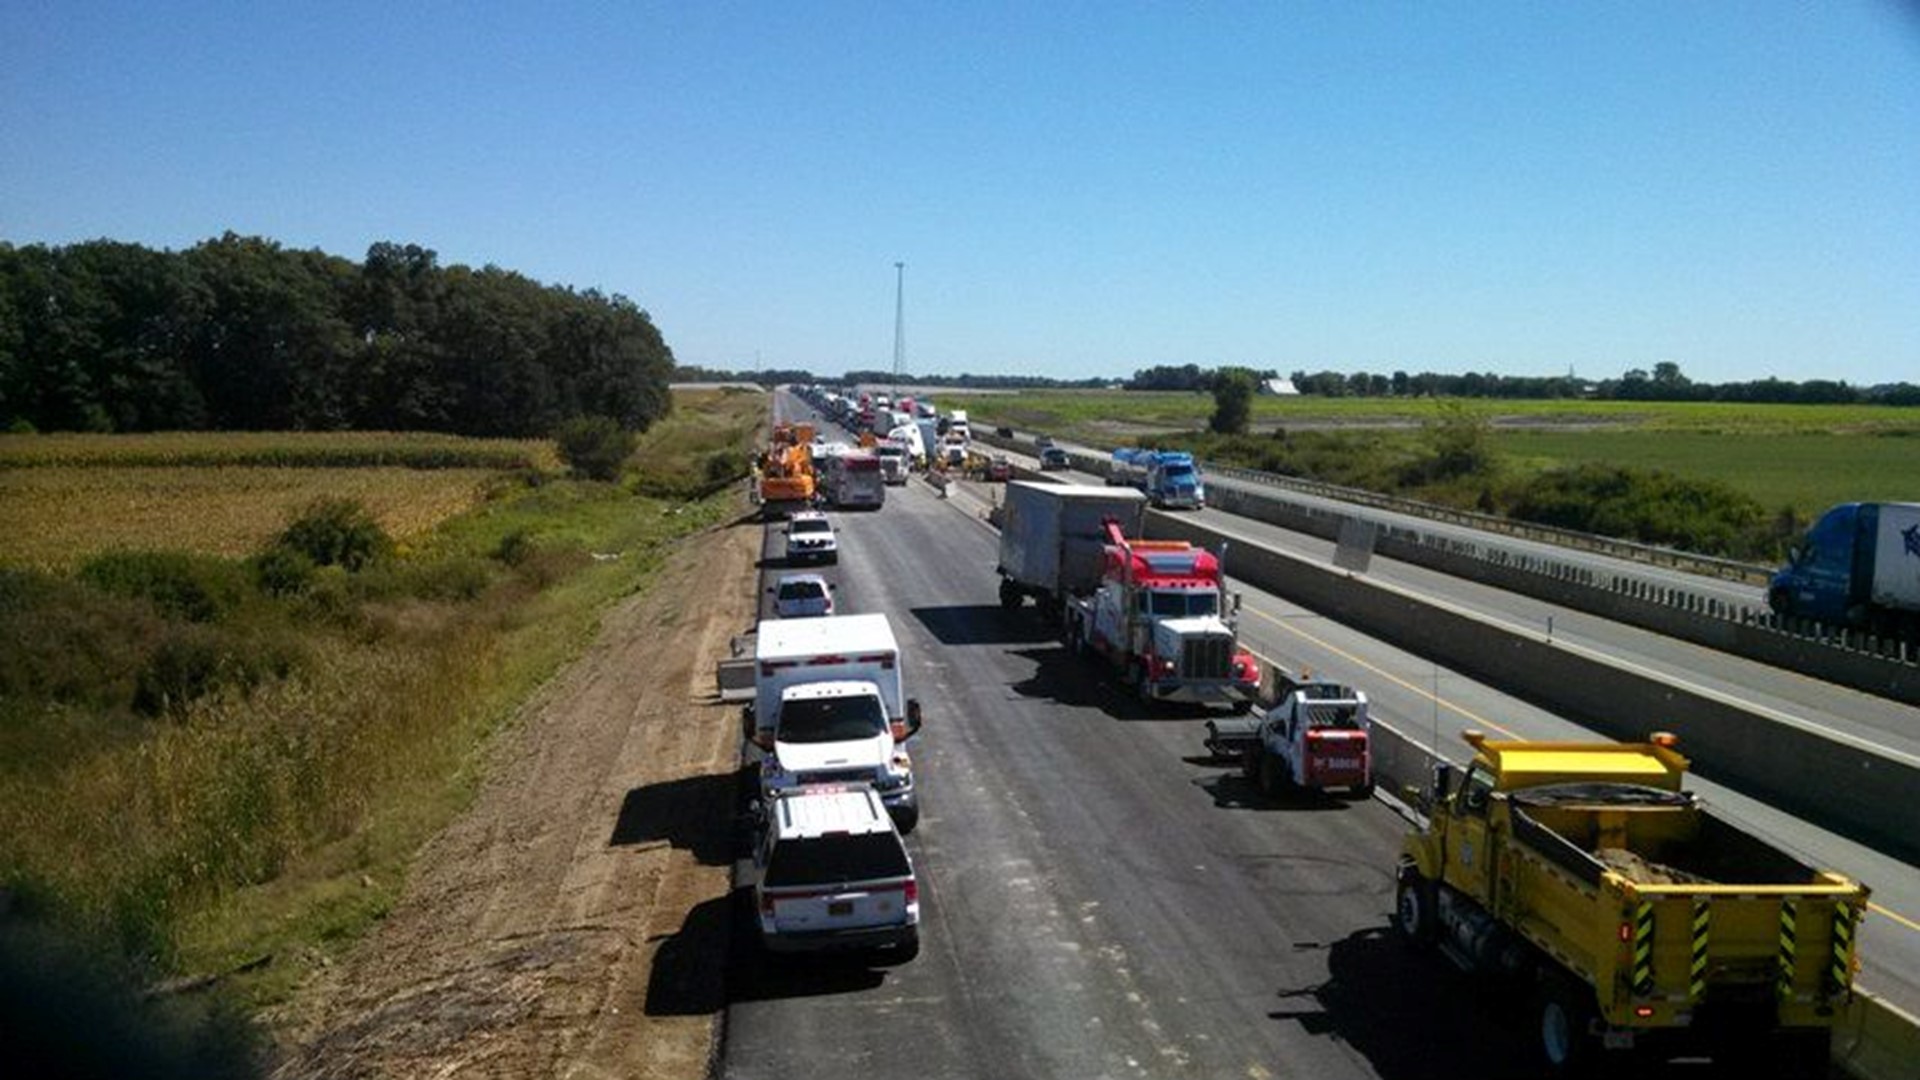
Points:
[(1155, 611), (1640, 919), (786, 471)]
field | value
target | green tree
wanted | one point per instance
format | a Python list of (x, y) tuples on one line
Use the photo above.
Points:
[(1233, 390), (596, 447)]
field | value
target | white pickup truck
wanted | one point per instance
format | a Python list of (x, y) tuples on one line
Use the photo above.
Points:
[(829, 708)]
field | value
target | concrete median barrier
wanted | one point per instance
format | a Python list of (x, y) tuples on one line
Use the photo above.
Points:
[(1831, 782)]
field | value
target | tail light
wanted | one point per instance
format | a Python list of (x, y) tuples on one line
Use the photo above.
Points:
[(766, 903), (912, 891), (1163, 666)]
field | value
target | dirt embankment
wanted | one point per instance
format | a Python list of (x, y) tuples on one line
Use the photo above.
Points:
[(571, 922)]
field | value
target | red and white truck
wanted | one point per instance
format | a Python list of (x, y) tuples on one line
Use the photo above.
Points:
[(1315, 738), (1156, 611)]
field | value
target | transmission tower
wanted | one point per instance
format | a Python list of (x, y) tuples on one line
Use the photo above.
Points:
[(899, 323)]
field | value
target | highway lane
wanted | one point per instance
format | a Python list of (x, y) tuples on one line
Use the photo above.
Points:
[(1099, 901), (1403, 685)]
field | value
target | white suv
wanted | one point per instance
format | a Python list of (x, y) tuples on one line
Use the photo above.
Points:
[(810, 538), (798, 595), (831, 872)]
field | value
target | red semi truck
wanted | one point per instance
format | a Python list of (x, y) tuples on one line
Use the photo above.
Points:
[(1155, 610)]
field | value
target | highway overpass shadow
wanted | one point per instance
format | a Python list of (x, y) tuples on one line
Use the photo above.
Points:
[(982, 624)]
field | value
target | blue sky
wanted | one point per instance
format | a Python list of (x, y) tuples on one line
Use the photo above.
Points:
[(1077, 189)]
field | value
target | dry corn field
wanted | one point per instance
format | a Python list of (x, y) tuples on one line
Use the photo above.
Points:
[(63, 499)]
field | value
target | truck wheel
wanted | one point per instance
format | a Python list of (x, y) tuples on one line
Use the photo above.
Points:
[(1009, 594), (907, 818), (1566, 1016), (1413, 908), (1269, 776)]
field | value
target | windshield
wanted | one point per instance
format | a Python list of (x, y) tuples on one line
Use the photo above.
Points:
[(818, 720), (1179, 472), (801, 590), (837, 860), (1343, 717), (1182, 603), (800, 527)]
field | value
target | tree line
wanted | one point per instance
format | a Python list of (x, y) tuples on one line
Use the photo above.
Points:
[(1665, 382), (240, 333)]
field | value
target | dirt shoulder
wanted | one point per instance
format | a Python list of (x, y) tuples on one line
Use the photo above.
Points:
[(572, 922)]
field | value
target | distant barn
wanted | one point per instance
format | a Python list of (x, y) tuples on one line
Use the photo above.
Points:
[(1279, 387)]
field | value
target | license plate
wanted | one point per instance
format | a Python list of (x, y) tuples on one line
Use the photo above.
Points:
[(840, 907)]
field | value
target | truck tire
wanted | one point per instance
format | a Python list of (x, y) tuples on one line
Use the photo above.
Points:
[(1269, 776), (1009, 594), (907, 818), (1566, 1012), (1413, 908)]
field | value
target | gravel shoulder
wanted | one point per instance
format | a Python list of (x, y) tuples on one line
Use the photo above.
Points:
[(571, 921)]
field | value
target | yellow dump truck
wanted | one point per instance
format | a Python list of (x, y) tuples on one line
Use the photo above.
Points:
[(1640, 919)]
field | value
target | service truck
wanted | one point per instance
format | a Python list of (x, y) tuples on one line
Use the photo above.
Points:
[(828, 707), (1170, 478), (1638, 917), (853, 479), (1860, 566), (893, 460), (1155, 611), (1315, 738)]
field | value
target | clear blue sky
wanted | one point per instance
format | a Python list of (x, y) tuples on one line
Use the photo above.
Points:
[(1077, 189)]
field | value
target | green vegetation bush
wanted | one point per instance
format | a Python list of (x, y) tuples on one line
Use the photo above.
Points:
[(596, 447), (62, 642), (281, 571), (336, 532), (1648, 505), (515, 548), (193, 661), (198, 588)]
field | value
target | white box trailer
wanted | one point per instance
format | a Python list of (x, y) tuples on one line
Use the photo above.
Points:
[(1053, 537)]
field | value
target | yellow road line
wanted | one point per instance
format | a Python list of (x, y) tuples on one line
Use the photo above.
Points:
[(1470, 715), (1415, 688)]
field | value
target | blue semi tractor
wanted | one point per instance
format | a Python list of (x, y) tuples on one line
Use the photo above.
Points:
[(1170, 478), (1858, 566)]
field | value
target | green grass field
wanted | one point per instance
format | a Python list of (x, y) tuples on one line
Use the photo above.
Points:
[(1805, 456)]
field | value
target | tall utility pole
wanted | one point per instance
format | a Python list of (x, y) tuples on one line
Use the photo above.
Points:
[(899, 323)]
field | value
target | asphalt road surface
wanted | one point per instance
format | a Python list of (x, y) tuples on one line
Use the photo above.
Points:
[(1098, 898)]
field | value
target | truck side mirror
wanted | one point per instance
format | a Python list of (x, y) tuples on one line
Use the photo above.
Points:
[(747, 724), (913, 716), (1442, 783), (1236, 603)]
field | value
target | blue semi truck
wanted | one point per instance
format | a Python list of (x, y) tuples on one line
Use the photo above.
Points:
[(1170, 478), (1858, 566)]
